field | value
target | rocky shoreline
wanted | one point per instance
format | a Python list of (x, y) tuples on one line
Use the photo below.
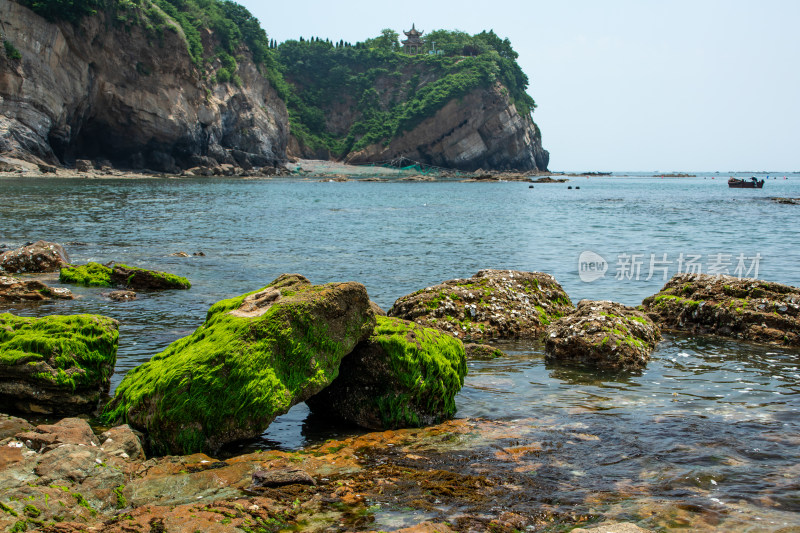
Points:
[(320, 170), (292, 341)]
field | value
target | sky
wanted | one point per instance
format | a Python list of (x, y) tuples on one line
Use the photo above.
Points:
[(620, 85)]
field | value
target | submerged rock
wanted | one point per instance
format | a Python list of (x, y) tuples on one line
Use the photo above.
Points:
[(18, 290), (492, 304), (404, 375), (120, 296), (40, 256), (482, 351), (740, 308), (95, 274), (253, 358), (56, 364), (602, 334)]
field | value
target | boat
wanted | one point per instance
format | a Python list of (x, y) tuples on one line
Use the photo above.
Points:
[(752, 183)]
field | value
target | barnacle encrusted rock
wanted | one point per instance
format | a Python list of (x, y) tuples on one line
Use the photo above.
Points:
[(30, 290), (492, 304), (602, 334), (740, 308), (41, 256), (253, 358), (404, 375), (56, 364)]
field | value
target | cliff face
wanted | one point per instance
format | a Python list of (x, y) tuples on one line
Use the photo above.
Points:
[(481, 130), (99, 91)]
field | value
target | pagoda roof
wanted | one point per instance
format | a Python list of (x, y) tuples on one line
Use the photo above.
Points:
[(413, 32)]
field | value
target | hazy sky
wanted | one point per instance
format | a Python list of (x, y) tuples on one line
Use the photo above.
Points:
[(620, 85)]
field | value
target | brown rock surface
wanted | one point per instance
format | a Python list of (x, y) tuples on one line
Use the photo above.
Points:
[(480, 130), (40, 256), (604, 335), (18, 290), (492, 304), (740, 308)]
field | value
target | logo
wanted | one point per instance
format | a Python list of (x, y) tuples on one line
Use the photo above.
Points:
[(591, 266)]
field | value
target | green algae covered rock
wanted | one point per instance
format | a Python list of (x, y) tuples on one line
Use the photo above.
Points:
[(603, 335), (56, 364), (404, 375), (90, 275), (97, 275), (253, 358)]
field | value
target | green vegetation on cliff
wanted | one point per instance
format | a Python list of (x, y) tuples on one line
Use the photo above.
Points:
[(389, 91), (234, 27)]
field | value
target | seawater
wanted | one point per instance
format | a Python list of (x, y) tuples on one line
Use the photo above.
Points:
[(710, 421)]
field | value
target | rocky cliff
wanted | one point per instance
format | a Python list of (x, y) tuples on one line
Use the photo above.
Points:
[(101, 89), (481, 130), (463, 107)]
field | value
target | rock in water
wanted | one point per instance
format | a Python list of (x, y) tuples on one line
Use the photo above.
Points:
[(492, 304), (253, 358), (40, 256), (140, 278), (740, 308), (95, 274), (56, 364), (404, 375), (17, 290), (604, 335)]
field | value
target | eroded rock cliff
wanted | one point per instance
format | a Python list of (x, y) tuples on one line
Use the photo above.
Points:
[(98, 89), (481, 130)]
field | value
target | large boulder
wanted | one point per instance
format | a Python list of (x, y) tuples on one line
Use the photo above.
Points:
[(56, 364), (404, 375), (740, 308), (604, 335), (40, 256), (97, 275), (30, 290), (253, 358), (492, 304)]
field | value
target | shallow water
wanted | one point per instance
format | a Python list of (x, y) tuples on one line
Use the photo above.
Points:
[(711, 423)]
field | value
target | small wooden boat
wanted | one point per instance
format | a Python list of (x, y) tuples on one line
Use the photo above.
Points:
[(752, 183)]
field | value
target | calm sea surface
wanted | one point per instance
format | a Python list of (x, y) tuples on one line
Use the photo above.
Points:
[(709, 420)]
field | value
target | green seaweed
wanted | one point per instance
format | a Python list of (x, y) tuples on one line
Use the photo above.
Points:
[(90, 274), (234, 372), (81, 349), (178, 282), (426, 363)]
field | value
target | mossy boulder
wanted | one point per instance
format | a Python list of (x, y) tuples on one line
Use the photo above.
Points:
[(740, 308), (97, 275), (56, 364), (404, 375), (41, 256), (143, 279), (253, 358), (91, 275), (604, 335), (492, 304)]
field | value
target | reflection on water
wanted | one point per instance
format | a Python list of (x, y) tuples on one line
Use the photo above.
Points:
[(706, 437)]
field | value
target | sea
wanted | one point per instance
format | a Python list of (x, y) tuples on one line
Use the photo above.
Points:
[(711, 422)]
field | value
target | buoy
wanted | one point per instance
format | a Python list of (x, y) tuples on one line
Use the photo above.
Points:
[(577, 187), (530, 186), (569, 187)]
